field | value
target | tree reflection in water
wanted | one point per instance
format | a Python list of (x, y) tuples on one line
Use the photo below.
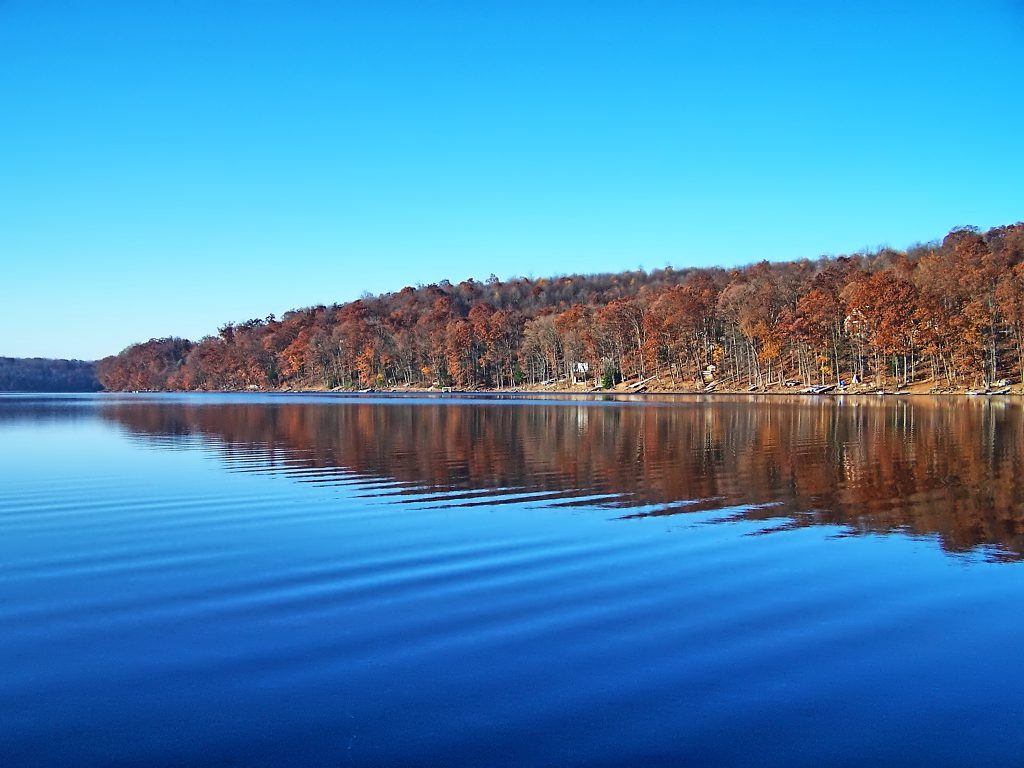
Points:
[(949, 468)]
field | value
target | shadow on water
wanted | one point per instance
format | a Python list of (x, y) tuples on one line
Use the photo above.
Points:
[(943, 468)]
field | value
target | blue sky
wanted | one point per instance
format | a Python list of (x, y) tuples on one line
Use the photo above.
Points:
[(169, 166)]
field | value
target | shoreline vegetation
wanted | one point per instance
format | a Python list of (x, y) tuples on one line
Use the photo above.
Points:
[(664, 388), (944, 317), (43, 374), (655, 390)]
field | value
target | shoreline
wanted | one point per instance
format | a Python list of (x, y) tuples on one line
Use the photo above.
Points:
[(918, 391)]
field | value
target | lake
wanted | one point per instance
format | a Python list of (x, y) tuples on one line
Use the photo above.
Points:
[(289, 580)]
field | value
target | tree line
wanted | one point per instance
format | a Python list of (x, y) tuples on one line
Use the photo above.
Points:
[(39, 374), (949, 312)]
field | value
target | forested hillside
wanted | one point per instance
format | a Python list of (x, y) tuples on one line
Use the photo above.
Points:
[(951, 313), (38, 374)]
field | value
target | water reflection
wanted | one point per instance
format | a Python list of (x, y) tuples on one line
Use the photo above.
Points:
[(948, 468), (171, 570)]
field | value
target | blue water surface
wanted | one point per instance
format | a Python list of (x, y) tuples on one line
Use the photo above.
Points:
[(300, 581)]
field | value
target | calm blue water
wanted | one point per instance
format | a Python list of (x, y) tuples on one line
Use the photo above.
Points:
[(302, 581)]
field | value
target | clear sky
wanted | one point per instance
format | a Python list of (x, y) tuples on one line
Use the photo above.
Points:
[(169, 166)]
